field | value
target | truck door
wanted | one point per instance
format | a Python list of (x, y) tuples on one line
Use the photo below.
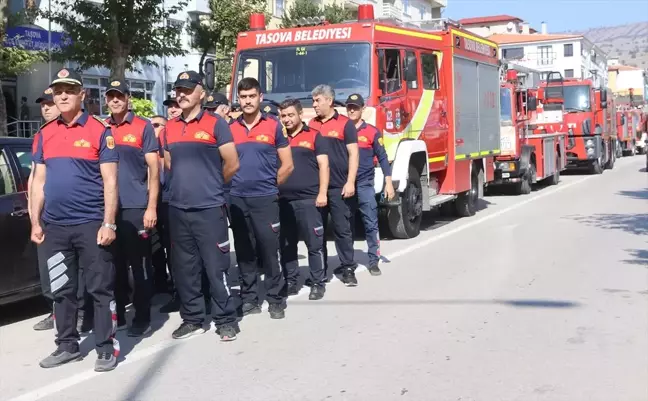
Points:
[(433, 110), (19, 267), (392, 96)]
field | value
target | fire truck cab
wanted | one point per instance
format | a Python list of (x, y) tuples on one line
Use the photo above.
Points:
[(530, 152), (591, 124), (432, 90)]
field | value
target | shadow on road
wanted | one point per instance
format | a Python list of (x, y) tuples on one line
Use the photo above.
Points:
[(518, 303), (641, 194)]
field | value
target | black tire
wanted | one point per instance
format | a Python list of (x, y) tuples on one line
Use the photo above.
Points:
[(524, 187), (466, 202), (404, 221), (610, 163), (596, 168)]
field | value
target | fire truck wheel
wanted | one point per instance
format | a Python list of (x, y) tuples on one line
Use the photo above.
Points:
[(596, 168), (555, 177), (610, 164), (466, 202), (524, 187), (404, 221)]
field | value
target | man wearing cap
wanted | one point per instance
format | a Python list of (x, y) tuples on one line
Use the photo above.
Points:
[(217, 103), (73, 219), (371, 149), (299, 198), (199, 151), (173, 110), (342, 145), (266, 162), (139, 186)]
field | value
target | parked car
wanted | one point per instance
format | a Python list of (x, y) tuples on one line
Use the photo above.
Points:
[(19, 278)]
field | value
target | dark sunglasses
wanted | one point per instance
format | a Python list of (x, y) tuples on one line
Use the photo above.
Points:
[(157, 125)]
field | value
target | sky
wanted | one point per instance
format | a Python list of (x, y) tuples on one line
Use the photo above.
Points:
[(560, 15)]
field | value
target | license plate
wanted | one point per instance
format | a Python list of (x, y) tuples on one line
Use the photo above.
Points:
[(506, 175)]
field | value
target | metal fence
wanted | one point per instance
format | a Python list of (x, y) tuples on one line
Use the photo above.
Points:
[(23, 128)]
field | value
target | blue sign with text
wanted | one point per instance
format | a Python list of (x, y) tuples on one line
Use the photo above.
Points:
[(32, 38)]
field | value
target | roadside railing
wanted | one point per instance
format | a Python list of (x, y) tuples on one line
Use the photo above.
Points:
[(23, 128)]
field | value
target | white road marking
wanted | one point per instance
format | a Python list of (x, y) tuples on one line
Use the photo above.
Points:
[(146, 352)]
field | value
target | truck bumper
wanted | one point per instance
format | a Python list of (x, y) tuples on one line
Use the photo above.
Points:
[(507, 172)]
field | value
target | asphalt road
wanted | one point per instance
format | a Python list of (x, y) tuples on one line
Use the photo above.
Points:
[(538, 297)]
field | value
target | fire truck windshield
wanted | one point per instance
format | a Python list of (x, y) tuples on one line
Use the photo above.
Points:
[(577, 98), (293, 71), (505, 105)]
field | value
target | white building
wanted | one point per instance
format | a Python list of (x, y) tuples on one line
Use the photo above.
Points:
[(572, 55), (152, 82)]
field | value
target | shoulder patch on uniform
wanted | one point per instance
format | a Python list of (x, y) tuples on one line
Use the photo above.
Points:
[(105, 124), (110, 142), (284, 131)]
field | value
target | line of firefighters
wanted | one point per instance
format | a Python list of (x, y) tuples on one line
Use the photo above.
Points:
[(271, 178)]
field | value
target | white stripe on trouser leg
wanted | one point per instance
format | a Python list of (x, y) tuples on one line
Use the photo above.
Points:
[(279, 260), (57, 271), (55, 260), (226, 284), (59, 282)]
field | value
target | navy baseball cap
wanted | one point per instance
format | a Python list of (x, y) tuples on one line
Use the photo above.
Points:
[(188, 79), (119, 86), (355, 99), (169, 101), (270, 109), (214, 100), (46, 96), (66, 76)]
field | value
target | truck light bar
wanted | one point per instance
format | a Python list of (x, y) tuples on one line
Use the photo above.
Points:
[(311, 21)]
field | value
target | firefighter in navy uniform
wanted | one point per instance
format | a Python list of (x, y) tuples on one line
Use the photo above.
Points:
[(74, 192), (370, 148), (342, 147), (199, 152), (217, 103), (139, 188), (299, 198), (266, 162)]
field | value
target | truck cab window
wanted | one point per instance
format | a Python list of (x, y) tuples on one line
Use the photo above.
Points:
[(411, 63), (391, 70), (430, 71)]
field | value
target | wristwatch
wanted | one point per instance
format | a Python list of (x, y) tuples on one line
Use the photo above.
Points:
[(111, 226)]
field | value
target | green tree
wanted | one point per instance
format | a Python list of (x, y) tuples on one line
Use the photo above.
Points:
[(118, 33), (333, 13), (216, 33), (142, 107), (13, 60)]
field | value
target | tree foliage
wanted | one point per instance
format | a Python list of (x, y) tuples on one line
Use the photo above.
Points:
[(117, 34), (142, 107), (333, 13), (216, 33)]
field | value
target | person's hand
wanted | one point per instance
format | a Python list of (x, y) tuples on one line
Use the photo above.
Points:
[(105, 236), (389, 191), (37, 234), (348, 190), (321, 200), (150, 218)]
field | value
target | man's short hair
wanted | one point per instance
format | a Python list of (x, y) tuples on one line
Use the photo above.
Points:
[(291, 103), (247, 84), (324, 90), (159, 116)]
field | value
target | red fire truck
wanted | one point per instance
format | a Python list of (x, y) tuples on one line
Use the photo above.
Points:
[(431, 90), (590, 121), (530, 152), (626, 132)]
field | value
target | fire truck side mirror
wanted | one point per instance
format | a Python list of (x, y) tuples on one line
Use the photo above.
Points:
[(210, 74), (532, 103)]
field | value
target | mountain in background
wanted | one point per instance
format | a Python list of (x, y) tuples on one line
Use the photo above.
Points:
[(628, 43)]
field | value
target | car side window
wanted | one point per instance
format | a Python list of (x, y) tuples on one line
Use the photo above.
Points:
[(24, 157), (7, 183)]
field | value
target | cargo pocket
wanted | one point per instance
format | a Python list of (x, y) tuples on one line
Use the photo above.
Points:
[(319, 231), (224, 246)]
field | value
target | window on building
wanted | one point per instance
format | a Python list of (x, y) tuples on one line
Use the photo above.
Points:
[(569, 50), (95, 87), (569, 73), (545, 55), (406, 6), (279, 8), (515, 53)]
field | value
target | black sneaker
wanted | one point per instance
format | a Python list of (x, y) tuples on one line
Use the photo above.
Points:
[(172, 306), (187, 330), (45, 324), (374, 270), (138, 329), (276, 311), (293, 289), (349, 279), (226, 333), (317, 292), (251, 309), (60, 357), (105, 362)]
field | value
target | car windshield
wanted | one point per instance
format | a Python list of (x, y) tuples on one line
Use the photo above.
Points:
[(505, 105), (295, 70), (577, 97)]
